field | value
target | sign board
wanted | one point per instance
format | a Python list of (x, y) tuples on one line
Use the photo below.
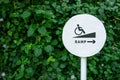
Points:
[(84, 35)]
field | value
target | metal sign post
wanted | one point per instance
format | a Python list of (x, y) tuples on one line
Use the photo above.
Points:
[(84, 36), (83, 68)]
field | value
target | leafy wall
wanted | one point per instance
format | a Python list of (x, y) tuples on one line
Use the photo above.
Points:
[(31, 47)]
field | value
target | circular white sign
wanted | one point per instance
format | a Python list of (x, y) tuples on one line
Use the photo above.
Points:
[(84, 35)]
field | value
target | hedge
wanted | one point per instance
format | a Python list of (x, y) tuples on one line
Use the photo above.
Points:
[(31, 46)]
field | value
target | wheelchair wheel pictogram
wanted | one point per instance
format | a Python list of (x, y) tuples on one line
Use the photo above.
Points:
[(78, 30)]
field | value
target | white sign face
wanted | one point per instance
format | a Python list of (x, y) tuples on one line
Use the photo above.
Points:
[(84, 35)]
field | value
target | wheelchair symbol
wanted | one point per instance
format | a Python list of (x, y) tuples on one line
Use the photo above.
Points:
[(78, 30)]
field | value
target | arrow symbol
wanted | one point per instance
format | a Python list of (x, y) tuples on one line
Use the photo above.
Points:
[(93, 41)]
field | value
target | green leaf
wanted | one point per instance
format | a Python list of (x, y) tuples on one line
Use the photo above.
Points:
[(29, 72), (50, 59), (48, 39), (64, 57), (101, 11), (5, 1), (39, 11), (25, 14), (58, 32), (48, 15), (18, 62), (55, 64), (54, 42), (15, 14), (37, 52), (48, 24), (31, 30), (21, 73), (10, 33), (48, 48), (62, 65), (42, 30)]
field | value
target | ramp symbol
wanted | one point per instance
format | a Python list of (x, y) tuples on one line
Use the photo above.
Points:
[(81, 33)]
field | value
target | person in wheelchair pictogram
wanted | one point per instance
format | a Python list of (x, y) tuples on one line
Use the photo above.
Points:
[(79, 30)]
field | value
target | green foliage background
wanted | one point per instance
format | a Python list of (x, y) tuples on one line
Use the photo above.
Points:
[(31, 45)]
